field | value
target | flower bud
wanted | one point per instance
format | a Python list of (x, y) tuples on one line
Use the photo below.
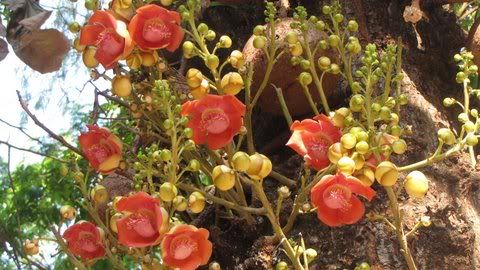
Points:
[(366, 175), (348, 141), (68, 212), (359, 160), (113, 222), (149, 59), (76, 45), (91, 4), (241, 161), (326, 10), (311, 254), (260, 166), (121, 86), (283, 192), (362, 147), (194, 165), (237, 60), (88, 57), (79, 177), (305, 79), (232, 83), (399, 146), (188, 48), (472, 140), (168, 124), (416, 184), (31, 247), (346, 165), (463, 117), (214, 266), (196, 202), (134, 60), (99, 194), (352, 26), (333, 40), (281, 266), (166, 3), (292, 37), (386, 173), (324, 63), (385, 113), (447, 102), (425, 220), (339, 117), (212, 61), (259, 30), (305, 64), (469, 126), (225, 42), (74, 27), (335, 152), (180, 203), (168, 192), (338, 18), (211, 35), (334, 69), (446, 136), (201, 91), (295, 49), (259, 42), (223, 177)]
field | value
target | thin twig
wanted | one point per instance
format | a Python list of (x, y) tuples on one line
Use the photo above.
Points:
[(21, 129), (31, 151), (52, 134)]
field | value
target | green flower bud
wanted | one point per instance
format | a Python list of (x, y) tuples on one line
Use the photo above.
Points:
[(457, 57), (396, 130), (320, 25), (202, 28), (295, 49), (305, 64), (362, 147), (474, 113), (463, 117), (168, 192), (188, 48), (212, 61), (469, 126), (225, 42), (292, 37), (348, 141), (334, 40), (323, 44), (259, 42), (446, 136), (472, 140), (281, 266), (165, 155), (399, 146), (447, 102), (352, 26), (334, 69), (461, 76), (259, 30), (168, 124), (338, 18), (211, 35), (324, 63), (283, 192), (194, 165), (385, 113), (376, 107), (311, 254), (356, 103), (188, 133), (305, 79), (473, 69), (326, 10)]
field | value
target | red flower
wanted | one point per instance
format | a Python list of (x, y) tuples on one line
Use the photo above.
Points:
[(144, 222), (214, 119), (334, 197), (154, 27), (312, 138), (84, 240), (109, 36), (102, 149), (186, 248)]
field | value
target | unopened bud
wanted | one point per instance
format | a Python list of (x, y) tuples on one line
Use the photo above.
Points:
[(260, 166), (168, 191), (241, 161), (99, 194), (386, 173), (223, 177), (416, 184), (68, 212), (232, 83), (196, 202), (121, 86)]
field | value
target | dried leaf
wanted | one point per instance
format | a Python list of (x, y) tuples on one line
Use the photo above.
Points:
[(3, 49), (14, 4), (42, 50), (36, 21)]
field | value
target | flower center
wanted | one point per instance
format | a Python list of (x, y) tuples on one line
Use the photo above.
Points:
[(155, 30), (337, 197), (318, 146), (86, 242), (111, 43), (182, 247), (142, 225), (99, 152), (215, 121)]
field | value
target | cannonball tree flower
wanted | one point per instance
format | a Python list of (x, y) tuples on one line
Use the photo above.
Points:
[(214, 119), (143, 223), (336, 200), (109, 36), (186, 247), (311, 139), (84, 240), (154, 27), (102, 149)]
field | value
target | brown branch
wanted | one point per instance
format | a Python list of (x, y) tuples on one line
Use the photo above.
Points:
[(21, 129), (31, 151), (52, 134)]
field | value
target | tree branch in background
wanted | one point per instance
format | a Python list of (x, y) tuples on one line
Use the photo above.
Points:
[(31, 151), (21, 129), (52, 134)]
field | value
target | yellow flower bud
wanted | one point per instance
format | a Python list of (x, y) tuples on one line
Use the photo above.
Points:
[(346, 165), (76, 45), (399, 146), (348, 141), (292, 37), (223, 177), (68, 212), (362, 147), (214, 266), (194, 78), (225, 42), (149, 59), (472, 140), (113, 222), (366, 175), (123, 4), (260, 166), (259, 42), (283, 192), (121, 86), (180, 203), (281, 266), (416, 184), (74, 27), (196, 202), (134, 60), (311, 254), (305, 79), (168, 191), (295, 49), (188, 48), (335, 152), (446, 136), (99, 194), (200, 91), (241, 161), (339, 117), (359, 160), (232, 83), (386, 173), (237, 60), (469, 126), (88, 57), (324, 63), (166, 3), (115, 201)]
